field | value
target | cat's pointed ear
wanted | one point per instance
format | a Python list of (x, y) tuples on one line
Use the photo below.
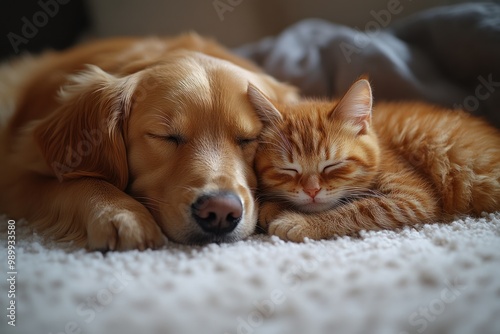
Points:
[(265, 109), (356, 105)]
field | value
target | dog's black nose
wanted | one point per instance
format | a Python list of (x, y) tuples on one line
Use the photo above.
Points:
[(217, 213)]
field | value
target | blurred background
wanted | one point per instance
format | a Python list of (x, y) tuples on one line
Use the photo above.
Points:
[(34, 25)]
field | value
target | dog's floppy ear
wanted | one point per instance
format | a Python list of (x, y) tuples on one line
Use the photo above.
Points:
[(84, 137)]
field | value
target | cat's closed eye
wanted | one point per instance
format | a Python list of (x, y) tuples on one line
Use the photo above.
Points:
[(289, 171), (331, 167)]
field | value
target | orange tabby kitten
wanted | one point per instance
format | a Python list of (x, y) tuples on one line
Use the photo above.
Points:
[(330, 169)]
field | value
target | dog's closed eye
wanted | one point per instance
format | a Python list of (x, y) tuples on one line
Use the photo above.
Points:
[(242, 141), (174, 138)]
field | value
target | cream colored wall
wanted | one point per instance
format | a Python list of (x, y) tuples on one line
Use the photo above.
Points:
[(236, 22)]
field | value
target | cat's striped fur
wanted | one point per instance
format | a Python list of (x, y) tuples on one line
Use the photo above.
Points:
[(331, 168)]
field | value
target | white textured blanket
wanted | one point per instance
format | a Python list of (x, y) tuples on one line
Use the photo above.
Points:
[(429, 279)]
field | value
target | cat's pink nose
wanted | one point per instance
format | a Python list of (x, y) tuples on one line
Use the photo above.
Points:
[(312, 192)]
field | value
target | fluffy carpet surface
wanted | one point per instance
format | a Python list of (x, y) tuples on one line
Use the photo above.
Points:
[(427, 279)]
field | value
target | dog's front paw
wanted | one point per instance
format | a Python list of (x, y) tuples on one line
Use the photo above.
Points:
[(122, 229), (294, 227)]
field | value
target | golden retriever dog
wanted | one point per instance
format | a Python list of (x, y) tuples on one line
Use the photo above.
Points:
[(114, 142)]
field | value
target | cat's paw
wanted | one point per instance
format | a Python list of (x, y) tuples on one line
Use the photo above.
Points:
[(293, 226), (122, 229)]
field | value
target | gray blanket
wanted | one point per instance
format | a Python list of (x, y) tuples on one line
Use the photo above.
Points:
[(445, 55)]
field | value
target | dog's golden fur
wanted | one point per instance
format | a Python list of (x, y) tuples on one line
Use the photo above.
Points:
[(114, 153)]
